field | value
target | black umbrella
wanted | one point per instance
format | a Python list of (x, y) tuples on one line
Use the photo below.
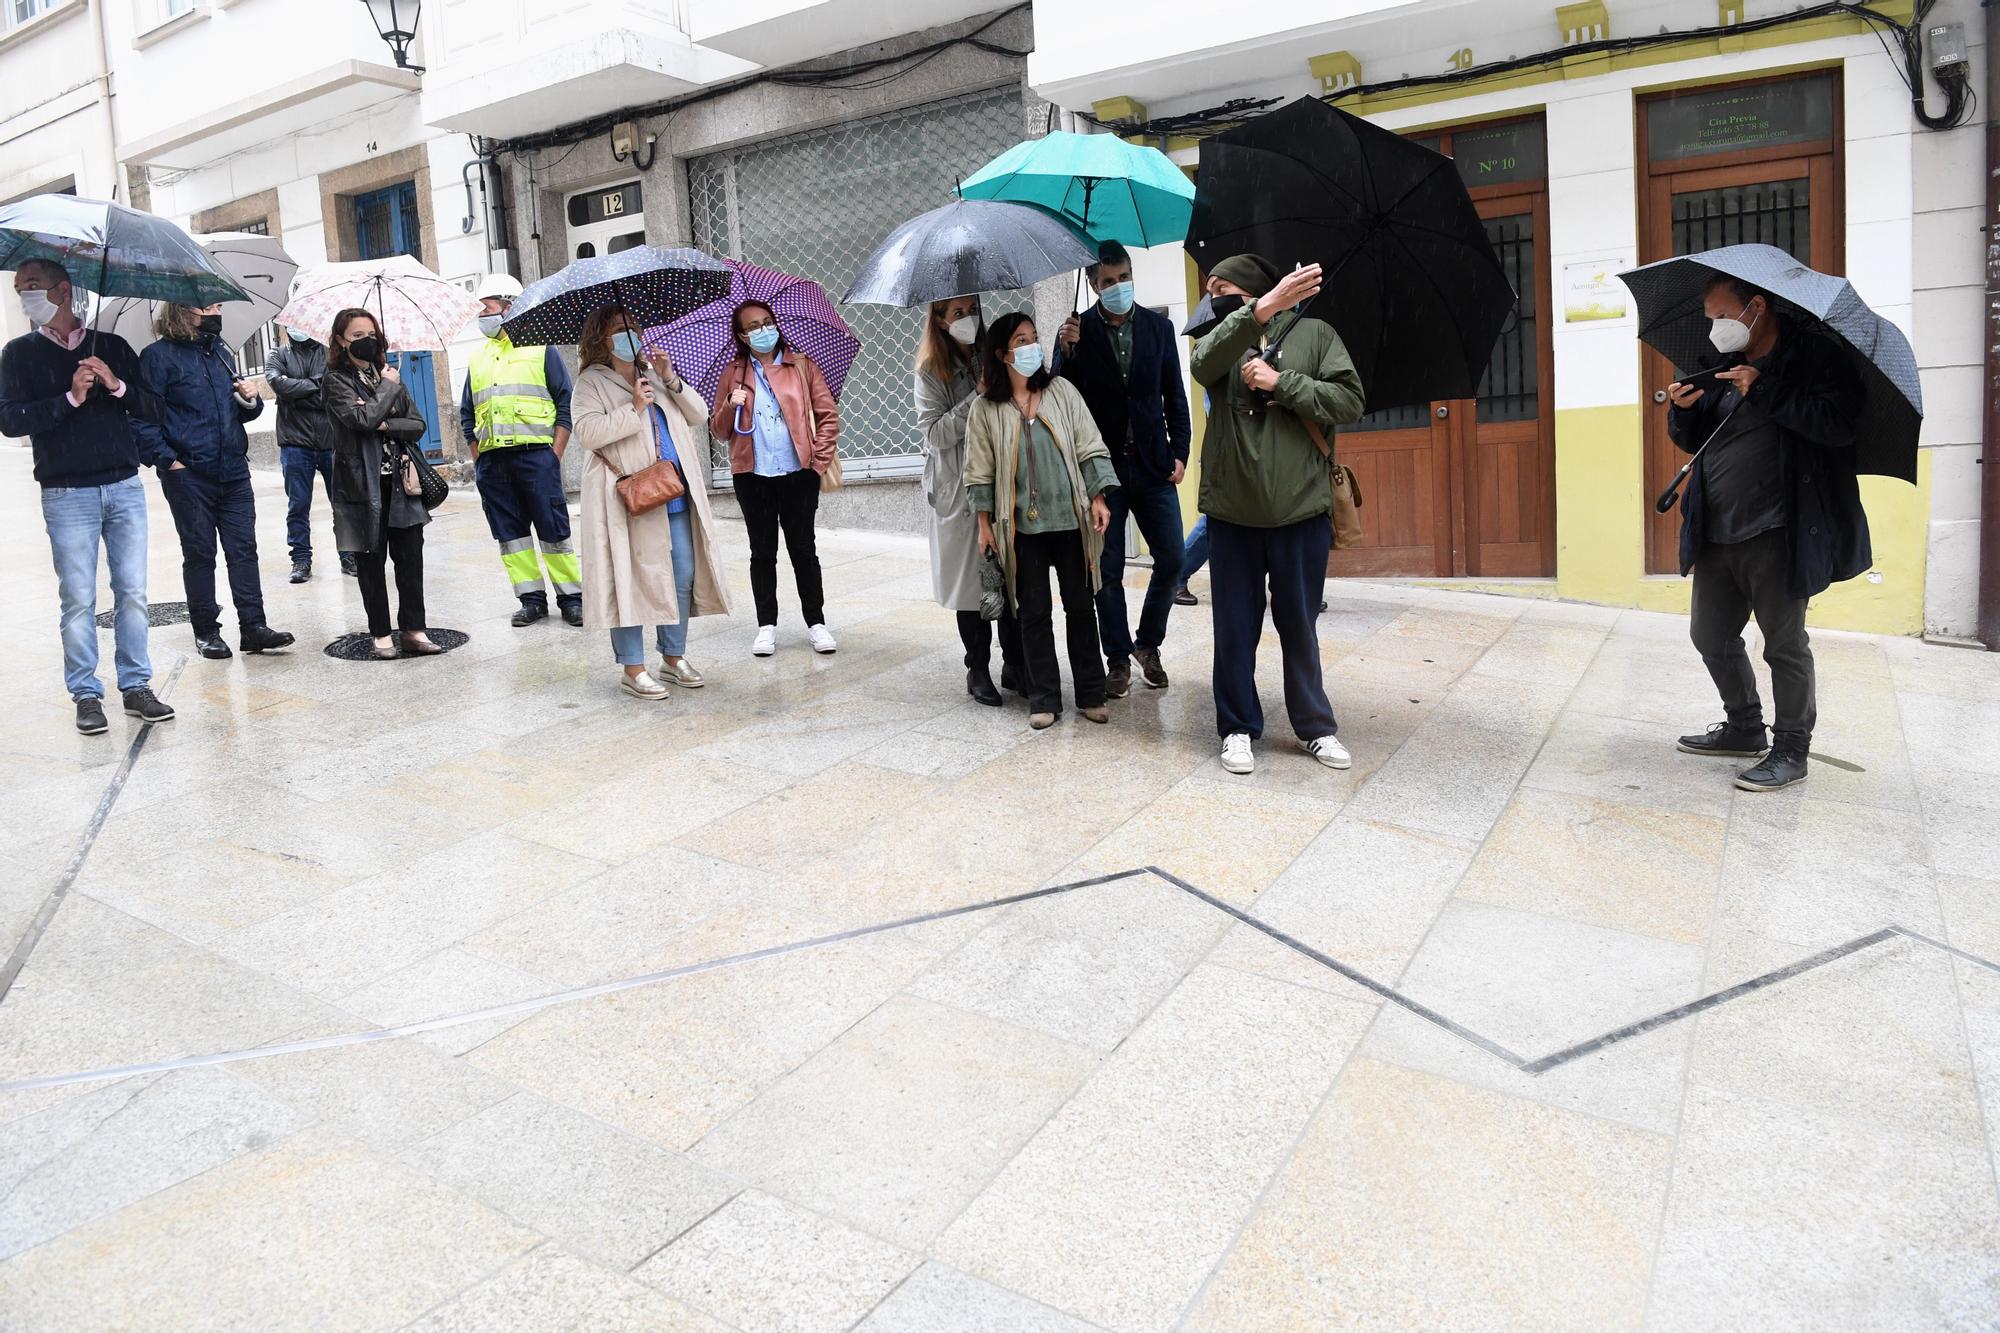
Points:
[(967, 247), (657, 285), (1412, 284), (1671, 320)]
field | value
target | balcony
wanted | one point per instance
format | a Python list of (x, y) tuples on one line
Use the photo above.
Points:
[(784, 32)]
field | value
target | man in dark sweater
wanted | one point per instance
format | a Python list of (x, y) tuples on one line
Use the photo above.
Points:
[(73, 392)]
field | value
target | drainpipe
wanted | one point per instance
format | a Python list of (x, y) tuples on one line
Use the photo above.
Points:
[(119, 183), (1989, 442)]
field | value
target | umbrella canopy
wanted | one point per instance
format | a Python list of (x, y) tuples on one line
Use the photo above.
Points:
[(1412, 283), (1671, 320), (967, 247), (657, 285), (418, 310), (112, 250), (704, 342), (1111, 190), (257, 264)]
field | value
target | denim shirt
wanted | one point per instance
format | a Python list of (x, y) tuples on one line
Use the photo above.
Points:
[(665, 439), (776, 456)]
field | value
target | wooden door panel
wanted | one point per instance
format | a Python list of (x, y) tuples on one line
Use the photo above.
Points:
[(1508, 449), (1398, 476)]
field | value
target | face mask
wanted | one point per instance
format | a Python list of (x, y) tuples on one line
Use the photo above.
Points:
[(1225, 306), (368, 349), (764, 341), (298, 335), (964, 330), (209, 325), (1730, 335), (490, 324), (39, 308), (1027, 359), (1116, 299), (625, 346)]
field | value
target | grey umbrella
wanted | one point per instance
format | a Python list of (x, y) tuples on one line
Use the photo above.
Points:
[(257, 264), (112, 250), (1671, 320), (966, 247)]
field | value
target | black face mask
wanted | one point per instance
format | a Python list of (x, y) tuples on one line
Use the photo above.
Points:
[(210, 325), (368, 349), (1225, 306)]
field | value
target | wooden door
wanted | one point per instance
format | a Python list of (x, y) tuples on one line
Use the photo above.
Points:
[(1401, 459)]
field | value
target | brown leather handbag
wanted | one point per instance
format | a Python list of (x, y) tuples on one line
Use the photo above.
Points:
[(658, 483), (1346, 491)]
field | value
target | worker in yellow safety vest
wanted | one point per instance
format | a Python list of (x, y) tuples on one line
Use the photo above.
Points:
[(515, 416)]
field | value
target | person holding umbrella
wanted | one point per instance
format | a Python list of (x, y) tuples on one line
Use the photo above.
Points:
[(1771, 516), (1122, 359), (515, 414), (1279, 383), (202, 453), (76, 401)]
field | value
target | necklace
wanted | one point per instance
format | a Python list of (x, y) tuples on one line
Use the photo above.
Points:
[(1034, 511)]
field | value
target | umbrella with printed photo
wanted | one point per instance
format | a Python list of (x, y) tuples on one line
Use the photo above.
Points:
[(257, 264)]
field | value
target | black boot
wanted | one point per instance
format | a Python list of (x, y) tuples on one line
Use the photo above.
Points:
[(1727, 739), (264, 639), (529, 613), (979, 684), (211, 646), (1782, 767), (302, 569), (572, 610)]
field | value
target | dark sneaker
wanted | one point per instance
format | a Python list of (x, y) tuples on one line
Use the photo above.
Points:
[(90, 717), (572, 612), (1727, 740), (529, 613), (1322, 608), (143, 704), (979, 684), (212, 647), (1150, 670), (1182, 597), (347, 566), (1781, 768), (1118, 679), (264, 639), (301, 570)]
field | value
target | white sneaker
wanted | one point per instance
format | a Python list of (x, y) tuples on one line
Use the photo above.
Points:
[(822, 640), (1236, 756), (1329, 751), (766, 641), (643, 686)]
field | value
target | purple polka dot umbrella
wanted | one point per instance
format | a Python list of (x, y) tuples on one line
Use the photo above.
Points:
[(702, 343)]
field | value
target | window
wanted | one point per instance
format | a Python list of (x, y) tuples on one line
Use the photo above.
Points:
[(20, 11)]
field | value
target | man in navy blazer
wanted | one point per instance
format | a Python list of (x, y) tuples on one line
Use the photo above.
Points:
[(1123, 359)]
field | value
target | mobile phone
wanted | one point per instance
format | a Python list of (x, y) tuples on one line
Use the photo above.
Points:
[(1691, 381)]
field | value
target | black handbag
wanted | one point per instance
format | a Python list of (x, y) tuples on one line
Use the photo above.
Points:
[(419, 479)]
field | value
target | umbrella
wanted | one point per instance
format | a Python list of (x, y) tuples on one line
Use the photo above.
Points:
[(967, 247), (418, 310), (703, 342), (1671, 320), (1412, 283), (658, 286), (1111, 190), (112, 250), (257, 264)]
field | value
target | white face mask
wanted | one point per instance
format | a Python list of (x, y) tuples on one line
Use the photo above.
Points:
[(38, 307), (1730, 335), (964, 330), (490, 324)]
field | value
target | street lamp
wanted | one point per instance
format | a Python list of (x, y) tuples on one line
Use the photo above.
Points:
[(393, 29)]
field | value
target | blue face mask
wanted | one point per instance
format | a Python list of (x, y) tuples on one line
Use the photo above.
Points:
[(764, 341), (1027, 359), (625, 346), (298, 335), (1116, 299)]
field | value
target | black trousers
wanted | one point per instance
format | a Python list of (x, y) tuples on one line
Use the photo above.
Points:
[(206, 511), (1036, 556), (786, 504), (976, 633), (406, 547), (1292, 561), (1731, 583)]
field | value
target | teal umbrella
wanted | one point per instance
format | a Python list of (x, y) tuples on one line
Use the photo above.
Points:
[(1113, 190)]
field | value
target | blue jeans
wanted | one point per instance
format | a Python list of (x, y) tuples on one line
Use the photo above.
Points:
[(1196, 554), (77, 519), (1157, 507), (299, 465), (628, 642)]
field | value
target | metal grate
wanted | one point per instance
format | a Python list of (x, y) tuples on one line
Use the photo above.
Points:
[(1507, 391), (157, 614), (358, 647), (1769, 212), (816, 204)]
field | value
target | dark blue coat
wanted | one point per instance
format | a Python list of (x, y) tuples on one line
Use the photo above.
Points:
[(203, 424), (1144, 420), (1811, 394)]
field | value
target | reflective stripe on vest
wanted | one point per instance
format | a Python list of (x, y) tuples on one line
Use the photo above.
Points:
[(511, 403)]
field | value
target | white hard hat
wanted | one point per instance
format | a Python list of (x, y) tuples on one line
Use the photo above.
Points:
[(498, 286)]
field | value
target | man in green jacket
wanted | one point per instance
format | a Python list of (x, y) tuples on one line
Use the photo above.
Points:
[(1265, 489)]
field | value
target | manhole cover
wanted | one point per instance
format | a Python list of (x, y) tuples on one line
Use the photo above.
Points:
[(157, 613), (361, 647)]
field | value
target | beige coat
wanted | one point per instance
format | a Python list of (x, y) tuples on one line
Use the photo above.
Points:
[(628, 561)]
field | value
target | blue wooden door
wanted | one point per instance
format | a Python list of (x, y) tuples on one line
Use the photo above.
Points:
[(385, 224)]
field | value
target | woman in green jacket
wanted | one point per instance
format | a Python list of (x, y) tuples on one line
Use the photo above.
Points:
[(1036, 471)]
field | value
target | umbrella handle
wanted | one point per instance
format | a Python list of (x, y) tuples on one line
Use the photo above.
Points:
[(1668, 496)]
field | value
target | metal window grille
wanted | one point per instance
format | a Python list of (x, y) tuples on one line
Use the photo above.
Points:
[(1507, 391), (1771, 212), (816, 204)]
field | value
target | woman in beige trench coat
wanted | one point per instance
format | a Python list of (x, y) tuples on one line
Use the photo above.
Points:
[(660, 568)]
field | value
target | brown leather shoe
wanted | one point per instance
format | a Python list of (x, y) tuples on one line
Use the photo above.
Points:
[(1041, 721), (1099, 715)]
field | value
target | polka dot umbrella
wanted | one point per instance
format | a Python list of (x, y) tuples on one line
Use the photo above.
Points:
[(703, 342), (657, 285)]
